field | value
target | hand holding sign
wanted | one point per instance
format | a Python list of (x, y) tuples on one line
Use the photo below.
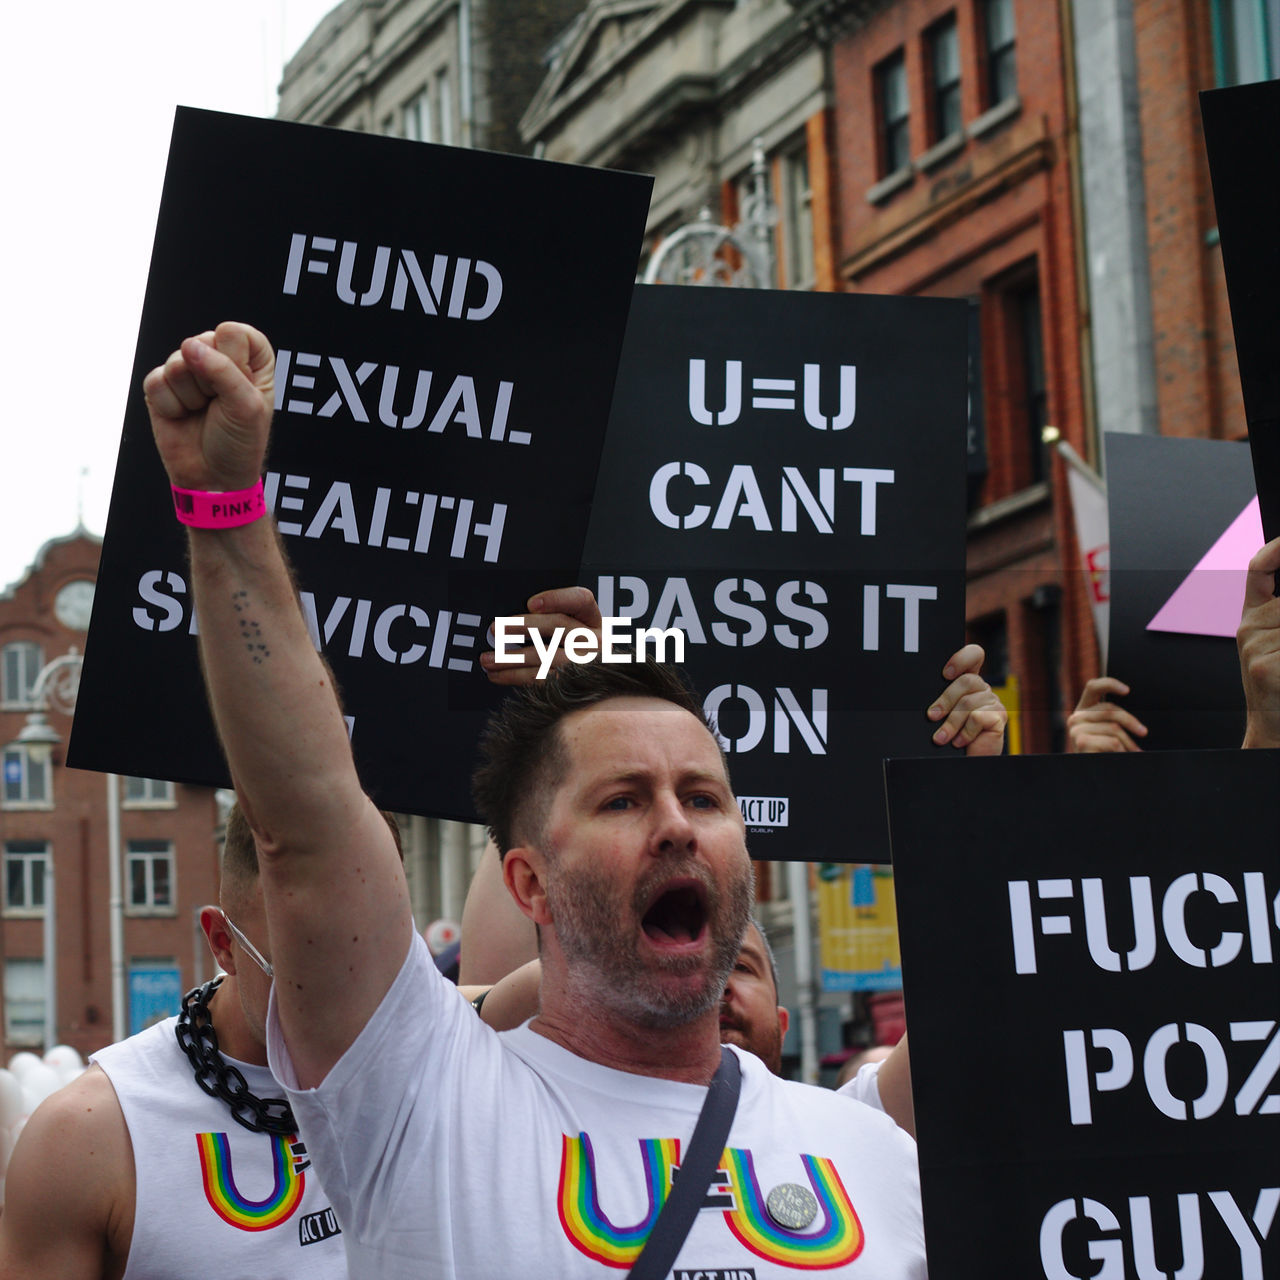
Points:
[(1259, 643), (210, 406), (1098, 725), (562, 609), (971, 714)]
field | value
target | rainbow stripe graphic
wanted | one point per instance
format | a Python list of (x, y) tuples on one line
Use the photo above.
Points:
[(224, 1196), (580, 1214), (837, 1240)]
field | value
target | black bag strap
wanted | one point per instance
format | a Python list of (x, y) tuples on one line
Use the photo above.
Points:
[(694, 1174)]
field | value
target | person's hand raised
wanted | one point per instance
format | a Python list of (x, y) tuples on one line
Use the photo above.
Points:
[(210, 405)]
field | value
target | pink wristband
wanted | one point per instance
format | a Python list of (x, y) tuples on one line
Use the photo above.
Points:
[(202, 509)]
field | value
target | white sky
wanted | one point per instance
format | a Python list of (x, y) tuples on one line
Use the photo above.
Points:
[(87, 93)]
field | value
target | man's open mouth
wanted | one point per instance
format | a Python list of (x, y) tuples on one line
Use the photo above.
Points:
[(678, 916)]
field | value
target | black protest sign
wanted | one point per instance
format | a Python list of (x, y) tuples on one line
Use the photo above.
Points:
[(447, 325), (784, 481), (1089, 960), (1241, 126), (1171, 504)]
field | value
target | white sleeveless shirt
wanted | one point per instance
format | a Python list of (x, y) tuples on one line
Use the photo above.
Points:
[(211, 1193)]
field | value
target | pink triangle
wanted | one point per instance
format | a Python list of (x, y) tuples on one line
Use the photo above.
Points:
[(1209, 601)]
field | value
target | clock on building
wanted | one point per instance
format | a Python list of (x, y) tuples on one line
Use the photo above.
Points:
[(73, 604)]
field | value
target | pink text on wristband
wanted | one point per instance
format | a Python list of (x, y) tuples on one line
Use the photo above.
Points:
[(202, 509)]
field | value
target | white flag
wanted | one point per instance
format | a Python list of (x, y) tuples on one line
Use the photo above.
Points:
[(1093, 533)]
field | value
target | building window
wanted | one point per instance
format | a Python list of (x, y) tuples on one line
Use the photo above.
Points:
[(1014, 385), (149, 875), (21, 664), (24, 1002), (24, 867), (944, 64), (26, 777), (142, 792), (416, 118), (1035, 391), (797, 221), (1246, 40), (1002, 64), (891, 96), (444, 107)]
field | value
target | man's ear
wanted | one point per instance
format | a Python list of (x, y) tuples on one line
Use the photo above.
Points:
[(522, 873), (214, 924), (784, 1021)]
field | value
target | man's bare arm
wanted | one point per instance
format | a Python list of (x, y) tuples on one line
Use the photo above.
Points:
[(337, 904), (497, 937), (69, 1193), (894, 1083)]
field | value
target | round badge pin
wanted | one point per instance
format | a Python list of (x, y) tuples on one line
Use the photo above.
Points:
[(792, 1206)]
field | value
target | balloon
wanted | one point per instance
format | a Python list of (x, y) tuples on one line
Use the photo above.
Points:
[(65, 1060), (23, 1062), (38, 1083)]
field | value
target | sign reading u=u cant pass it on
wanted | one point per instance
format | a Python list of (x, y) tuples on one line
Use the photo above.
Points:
[(443, 373), (784, 482), (1090, 960)]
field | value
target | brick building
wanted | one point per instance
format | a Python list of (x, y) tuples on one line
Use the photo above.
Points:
[(957, 177), (1045, 161), (1180, 48), (57, 826)]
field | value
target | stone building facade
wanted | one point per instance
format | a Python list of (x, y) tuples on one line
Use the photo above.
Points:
[(457, 72), (686, 90)]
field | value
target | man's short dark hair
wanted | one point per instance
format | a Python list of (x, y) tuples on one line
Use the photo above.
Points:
[(522, 754)]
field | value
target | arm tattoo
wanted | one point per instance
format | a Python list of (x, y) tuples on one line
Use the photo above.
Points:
[(250, 631)]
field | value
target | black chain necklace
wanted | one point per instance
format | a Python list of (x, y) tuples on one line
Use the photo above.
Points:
[(217, 1077)]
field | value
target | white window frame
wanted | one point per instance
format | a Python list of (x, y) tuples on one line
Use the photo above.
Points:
[(147, 793), (893, 91), (797, 218), (18, 794), (20, 663), (417, 118), (149, 853), (992, 12), (24, 993), (1246, 41), (443, 83), (33, 860)]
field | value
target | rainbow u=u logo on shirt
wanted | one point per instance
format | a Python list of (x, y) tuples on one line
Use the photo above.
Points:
[(225, 1198), (836, 1239), (586, 1224)]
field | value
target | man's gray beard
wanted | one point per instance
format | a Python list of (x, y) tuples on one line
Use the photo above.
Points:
[(603, 958)]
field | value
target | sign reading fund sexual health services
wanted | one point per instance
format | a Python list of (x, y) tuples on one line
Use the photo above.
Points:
[(1090, 959), (443, 375), (784, 482)]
